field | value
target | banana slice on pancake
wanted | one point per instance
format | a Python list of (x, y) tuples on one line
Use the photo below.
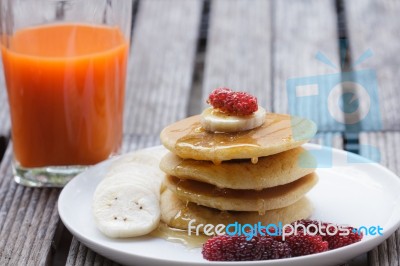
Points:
[(215, 121)]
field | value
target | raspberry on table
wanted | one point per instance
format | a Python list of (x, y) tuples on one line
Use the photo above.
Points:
[(233, 103), (237, 248), (306, 244)]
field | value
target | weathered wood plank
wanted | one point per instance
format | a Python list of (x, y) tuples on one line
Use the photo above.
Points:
[(35, 237), (28, 220), (161, 64), (301, 29), (136, 142), (388, 143), (81, 255), (374, 25), (98, 260), (329, 139), (239, 48)]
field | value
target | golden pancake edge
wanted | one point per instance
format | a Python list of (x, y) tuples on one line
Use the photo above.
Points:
[(241, 200), (177, 213), (270, 171)]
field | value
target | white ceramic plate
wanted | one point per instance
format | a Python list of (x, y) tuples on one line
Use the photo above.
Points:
[(360, 193)]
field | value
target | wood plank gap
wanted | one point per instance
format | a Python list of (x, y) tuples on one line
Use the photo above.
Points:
[(195, 97), (73, 252)]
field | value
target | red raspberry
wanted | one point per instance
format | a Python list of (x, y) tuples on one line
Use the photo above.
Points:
[(307, 222), (237, 248), (271, 233), (334, 241), (233, 103), (338, 241), (306, 244)]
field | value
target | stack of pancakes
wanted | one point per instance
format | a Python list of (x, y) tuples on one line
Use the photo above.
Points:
[(259, 175)]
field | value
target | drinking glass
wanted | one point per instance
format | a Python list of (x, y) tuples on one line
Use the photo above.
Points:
[(65, 67)]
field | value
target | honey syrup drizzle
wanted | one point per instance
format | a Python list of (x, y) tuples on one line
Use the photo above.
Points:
[(192, 139), (179, 236)]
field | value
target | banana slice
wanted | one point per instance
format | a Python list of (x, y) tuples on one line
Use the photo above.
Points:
[(213, 120), (150, 157), (126, 202), (138, 177), (126, 211), (135, 170)]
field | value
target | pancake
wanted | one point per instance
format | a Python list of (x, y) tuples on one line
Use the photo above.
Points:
[(176, 213), (270, 171), (187, 139), (240, 199)]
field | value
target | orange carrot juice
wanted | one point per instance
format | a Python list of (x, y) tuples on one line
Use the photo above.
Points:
[(65, 86)]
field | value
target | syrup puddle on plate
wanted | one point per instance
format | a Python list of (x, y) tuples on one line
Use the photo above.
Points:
[(179, 236)]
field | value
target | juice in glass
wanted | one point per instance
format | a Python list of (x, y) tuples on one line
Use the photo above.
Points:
[(65, 86)]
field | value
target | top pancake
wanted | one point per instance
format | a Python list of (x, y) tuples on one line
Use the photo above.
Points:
[(280, 132)]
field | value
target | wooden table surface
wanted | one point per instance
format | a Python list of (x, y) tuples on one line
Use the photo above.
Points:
[(180, 51)]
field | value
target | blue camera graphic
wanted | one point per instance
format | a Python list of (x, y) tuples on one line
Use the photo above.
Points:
[(337, 102)]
